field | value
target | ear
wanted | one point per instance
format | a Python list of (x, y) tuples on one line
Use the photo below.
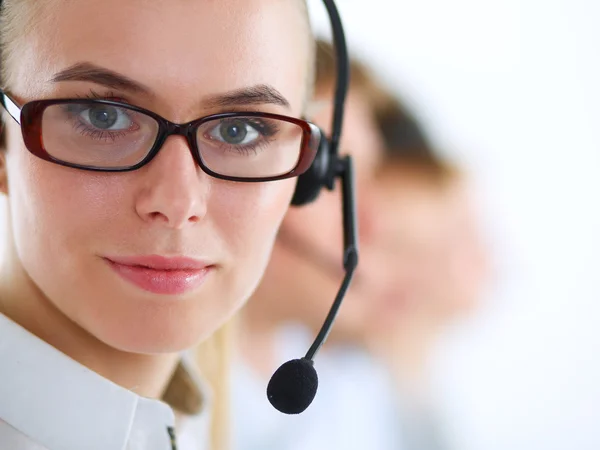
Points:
[(3, 174)]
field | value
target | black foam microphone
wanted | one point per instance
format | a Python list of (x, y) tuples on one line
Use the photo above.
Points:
[(293, 386)]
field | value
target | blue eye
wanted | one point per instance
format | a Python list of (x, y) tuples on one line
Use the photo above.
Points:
[(235, 132), (107, 118)]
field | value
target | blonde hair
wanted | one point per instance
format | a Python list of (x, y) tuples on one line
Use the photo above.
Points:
[(213, 360), (15, 16)]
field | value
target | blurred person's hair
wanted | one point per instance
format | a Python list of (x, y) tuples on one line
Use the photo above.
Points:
[(404, 138), (432, 170), (407, 149)]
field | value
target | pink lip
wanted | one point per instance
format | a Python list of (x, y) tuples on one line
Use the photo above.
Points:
[(161, 275)]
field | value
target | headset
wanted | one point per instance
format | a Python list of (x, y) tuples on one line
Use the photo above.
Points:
[(293, 386)]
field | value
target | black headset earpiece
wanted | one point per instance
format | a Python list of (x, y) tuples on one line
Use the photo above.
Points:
[(316, 177)]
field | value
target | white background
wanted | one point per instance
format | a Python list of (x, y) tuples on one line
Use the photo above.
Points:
[(511, 89)]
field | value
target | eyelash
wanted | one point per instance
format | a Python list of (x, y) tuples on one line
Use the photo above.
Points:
[(110, 95), (266, 138), (268, 129), (96, 134)]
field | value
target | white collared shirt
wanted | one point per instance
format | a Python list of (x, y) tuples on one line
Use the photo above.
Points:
[(48, 401)]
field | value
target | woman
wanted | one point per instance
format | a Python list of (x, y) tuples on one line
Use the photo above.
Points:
[(126, 244)]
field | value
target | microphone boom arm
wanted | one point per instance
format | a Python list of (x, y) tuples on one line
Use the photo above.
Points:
[(346, 173)]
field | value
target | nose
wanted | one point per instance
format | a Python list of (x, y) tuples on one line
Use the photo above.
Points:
[(175, 190)]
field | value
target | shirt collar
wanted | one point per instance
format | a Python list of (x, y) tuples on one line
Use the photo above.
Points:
[(61, 404), (186, 392)]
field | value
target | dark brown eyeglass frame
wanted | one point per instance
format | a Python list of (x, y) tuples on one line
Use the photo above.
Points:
[(29, 117)]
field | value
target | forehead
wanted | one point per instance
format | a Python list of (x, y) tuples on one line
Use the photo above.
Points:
[(409, 201), (177, 47)]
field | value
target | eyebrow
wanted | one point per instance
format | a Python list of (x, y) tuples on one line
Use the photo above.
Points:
[(254, 95), (259, 94), (86, 71)]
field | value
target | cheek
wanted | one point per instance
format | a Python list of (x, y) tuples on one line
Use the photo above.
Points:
[(319, 224), (60, 220), (56, 207), (247, 217)]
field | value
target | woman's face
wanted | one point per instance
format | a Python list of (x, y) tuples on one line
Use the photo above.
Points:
[(429, 256), (408, 255), (192, 59)]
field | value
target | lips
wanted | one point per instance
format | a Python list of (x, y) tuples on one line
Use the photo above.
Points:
[(161, 275)]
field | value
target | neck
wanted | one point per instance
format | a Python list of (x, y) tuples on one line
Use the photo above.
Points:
[(256, 342), (411, 357), (407, 352), (22, 302)]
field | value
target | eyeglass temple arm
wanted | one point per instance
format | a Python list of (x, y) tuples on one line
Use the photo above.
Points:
[(11, 106)]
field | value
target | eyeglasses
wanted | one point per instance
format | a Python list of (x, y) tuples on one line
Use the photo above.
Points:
[(111, 136)]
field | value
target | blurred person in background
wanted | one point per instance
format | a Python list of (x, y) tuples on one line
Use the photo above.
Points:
[(432, 268), (365, 399), (291, 302)]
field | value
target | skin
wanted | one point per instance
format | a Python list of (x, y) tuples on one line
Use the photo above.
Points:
[(429, 246), (63, 221), (431, 266), (301, 288)]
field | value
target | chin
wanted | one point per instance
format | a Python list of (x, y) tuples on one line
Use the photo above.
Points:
[(149, 328), (143, 323), (151, 341)]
